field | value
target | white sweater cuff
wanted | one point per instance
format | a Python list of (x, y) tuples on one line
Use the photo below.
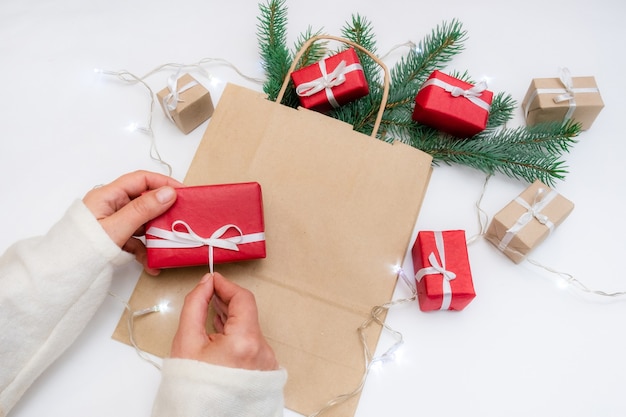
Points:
[(190, 388)]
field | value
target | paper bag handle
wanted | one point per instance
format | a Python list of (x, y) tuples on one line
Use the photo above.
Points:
[(308, 43)]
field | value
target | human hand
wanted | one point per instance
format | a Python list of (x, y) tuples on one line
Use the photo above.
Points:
[(125, 205), (238, 341)]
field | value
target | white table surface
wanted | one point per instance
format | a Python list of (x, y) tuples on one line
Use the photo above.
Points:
[(525, 346)]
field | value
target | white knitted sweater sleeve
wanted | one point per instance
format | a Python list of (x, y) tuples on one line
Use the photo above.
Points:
[(50, 287)]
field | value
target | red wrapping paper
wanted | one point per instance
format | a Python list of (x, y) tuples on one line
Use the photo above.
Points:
[(431, 287), (354, 87), (204, 210), (458, 116)]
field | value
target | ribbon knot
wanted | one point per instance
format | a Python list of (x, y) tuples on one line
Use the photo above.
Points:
[(327, 81), (335, 78), (439, 268), (475, 91), (472, 94), (540, 217), (534, 210), (541, 199), (171, 100), (213, 241), (448, 275)]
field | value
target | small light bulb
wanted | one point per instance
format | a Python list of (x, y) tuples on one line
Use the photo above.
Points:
[(562, 283), (214, 81), (163, 306)]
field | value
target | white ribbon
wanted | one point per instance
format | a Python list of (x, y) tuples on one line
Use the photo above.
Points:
[(437, 268), (189, 239), (170, 101), (564, 94), (327, 81), (540, 201), (472, 94)]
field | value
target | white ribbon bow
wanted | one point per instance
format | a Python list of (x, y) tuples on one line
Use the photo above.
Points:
[(540, 201), (472, 94), (170, 101), (189, 239), (327, 81), (437, 268)]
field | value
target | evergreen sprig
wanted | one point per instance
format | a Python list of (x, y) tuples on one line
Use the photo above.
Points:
[(272, 38), (524, 153)]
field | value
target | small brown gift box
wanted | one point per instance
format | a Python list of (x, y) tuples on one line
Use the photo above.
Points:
[(562, 99), (528, 220), (186, 102)]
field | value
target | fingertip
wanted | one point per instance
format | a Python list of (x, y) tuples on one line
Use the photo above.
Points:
[(152, 271), (206, 278), (165, 194)]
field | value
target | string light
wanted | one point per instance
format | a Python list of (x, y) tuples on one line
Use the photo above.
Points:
[(371, 361), (131, 78), (162, 307)]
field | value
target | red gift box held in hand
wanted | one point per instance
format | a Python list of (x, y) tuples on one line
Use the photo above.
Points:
[(453, 106), (208, 224), (334, 81), (442, 271)]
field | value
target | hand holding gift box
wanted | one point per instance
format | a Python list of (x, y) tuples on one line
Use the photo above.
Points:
[(453, 106), (208, 224), (561, 99), (442, 271), (334, 81), (528, 220), (186, 102)]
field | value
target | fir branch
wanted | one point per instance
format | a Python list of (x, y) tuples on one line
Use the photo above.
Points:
[(362, 113), (502, 108), (523, 153), (432, 53), (314, 53), (361, 32), (272, 38), (531, 166), (410, 72), (554, 138)]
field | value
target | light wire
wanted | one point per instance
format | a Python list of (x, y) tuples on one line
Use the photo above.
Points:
[(130, 324), (369, 360), (130, 78)]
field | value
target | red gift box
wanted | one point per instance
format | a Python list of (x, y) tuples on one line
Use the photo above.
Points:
[(442, 271), (453, 106), (208, 224), (334, 81)]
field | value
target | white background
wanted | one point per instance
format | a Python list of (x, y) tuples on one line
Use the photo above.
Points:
[(525, 346)]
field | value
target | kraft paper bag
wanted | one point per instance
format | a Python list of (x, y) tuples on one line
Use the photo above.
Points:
[(340, 208)]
